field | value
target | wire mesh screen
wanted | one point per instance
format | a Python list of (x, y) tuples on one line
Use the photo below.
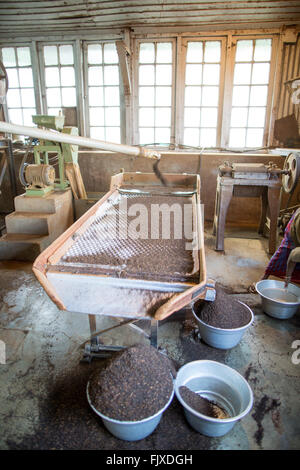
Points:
[(147, 236)]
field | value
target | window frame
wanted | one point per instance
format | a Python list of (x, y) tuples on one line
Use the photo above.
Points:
[(135, 93), (180, 104), (34, 69), (85, 68), (42, 67), (229, 77)]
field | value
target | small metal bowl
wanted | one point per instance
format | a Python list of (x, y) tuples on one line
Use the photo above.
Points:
[(222, 338), (277, 301), (131, 430), (220, 384)]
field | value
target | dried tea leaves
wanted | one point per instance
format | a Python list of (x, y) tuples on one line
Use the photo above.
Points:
[(225, 312), (135, 384), (202, 405)]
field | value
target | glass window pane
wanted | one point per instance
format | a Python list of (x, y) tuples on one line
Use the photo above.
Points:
[(210, 96), (211, 74), (146, 117), (162, 117), (194, 52), (26, 79), (244, 51), (146, 53), (94, 54), (66, 54), (113, 134), (163, 96), (260, 73), (162, 135), (208, 137), (52, 76), (191, 117), (164, 52), (53, 97), (262, 49), (50, 55), (13, 98), (9, 57), (13, 80), (146, 74), (54, 111), (97, 133), (240, 96), (256, 117), (27, 116), (97, 116), (242, 74), (237, 137), (27, 98), (111, 75), (146, 96), (67, 76), (95, 76), (212, 51), (193, 74), (15, 116), (24, 58), (163, 74), (209, 117), (191, 137), (96, 96), (112, 116), (110, 54), (239, 117), (258, 95), (254, 137), (192, 96), (112, 96), (146, 135), (68, 96)]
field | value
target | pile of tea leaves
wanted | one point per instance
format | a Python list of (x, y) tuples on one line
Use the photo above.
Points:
[(135, 384)]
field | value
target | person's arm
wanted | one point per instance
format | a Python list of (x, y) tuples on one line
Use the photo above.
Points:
[(293, 259)]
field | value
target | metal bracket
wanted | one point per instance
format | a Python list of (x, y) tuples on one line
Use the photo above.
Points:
[(95, 349)]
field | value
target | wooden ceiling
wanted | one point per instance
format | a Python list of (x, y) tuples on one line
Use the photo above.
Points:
[(38, 17)]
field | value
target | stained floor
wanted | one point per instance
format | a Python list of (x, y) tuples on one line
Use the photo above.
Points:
[(43, 383)]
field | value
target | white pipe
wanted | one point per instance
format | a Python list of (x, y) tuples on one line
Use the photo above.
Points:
[(77, 140)]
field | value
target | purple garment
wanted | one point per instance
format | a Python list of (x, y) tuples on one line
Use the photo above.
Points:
[(278, 263)]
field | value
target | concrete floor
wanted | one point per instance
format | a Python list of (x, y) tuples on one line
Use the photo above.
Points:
[(42, 385)]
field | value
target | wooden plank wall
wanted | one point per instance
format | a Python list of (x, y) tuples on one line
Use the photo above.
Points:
[(81, 15), (290, 70)]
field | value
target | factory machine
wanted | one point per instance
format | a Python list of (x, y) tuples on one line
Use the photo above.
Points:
[(87, 270), (40, 177)]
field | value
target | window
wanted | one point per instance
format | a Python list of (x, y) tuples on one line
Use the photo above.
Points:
[(201, 100), (250, 92), (20, 95), (155, 91), (103, 91), (190, 90), (59, 77)]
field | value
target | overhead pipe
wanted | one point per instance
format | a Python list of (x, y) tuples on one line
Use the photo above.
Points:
[(77, 140)]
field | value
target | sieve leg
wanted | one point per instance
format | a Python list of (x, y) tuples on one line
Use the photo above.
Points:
[(153, 332), (93, 329)]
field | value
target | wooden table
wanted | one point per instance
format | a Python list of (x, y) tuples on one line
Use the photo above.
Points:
[(267, 189)]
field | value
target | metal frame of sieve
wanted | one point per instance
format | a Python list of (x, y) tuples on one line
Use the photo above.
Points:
[(82, 287)]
